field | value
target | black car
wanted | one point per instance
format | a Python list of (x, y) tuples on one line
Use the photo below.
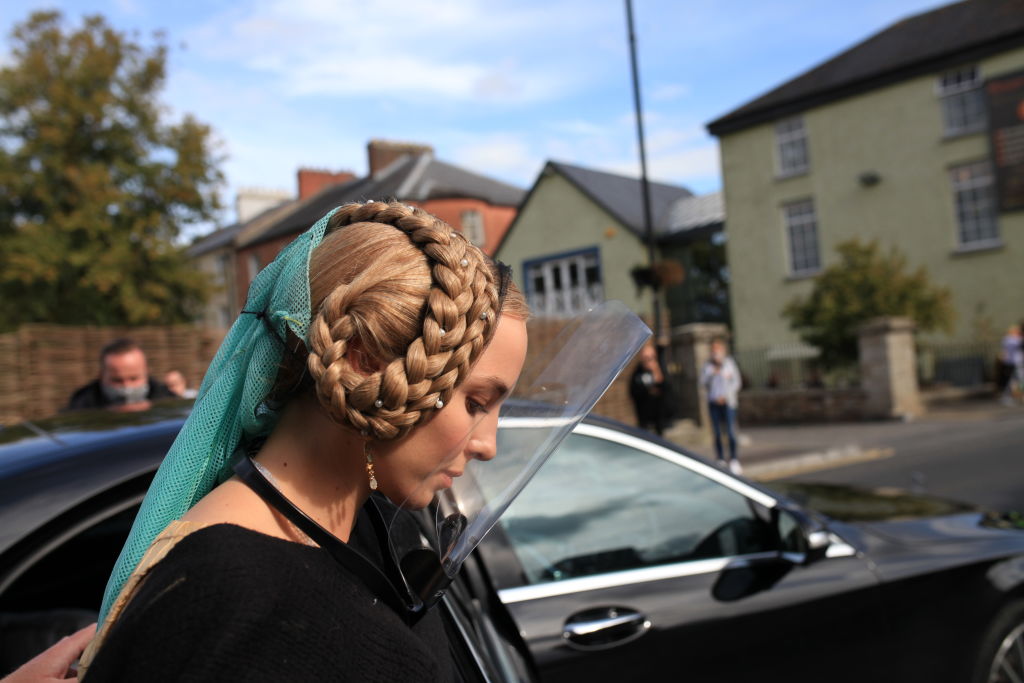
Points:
[(70, 488), (626, 559)]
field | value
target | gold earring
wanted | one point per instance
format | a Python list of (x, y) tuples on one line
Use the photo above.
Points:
[(370, 474)]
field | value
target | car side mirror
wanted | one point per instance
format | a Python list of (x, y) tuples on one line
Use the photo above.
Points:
[(800, 535)]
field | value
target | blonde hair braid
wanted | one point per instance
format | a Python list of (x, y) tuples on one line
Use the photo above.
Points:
[(458, 316)]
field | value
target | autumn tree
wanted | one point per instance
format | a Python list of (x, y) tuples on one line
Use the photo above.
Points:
[(864, 284), (95, 185)]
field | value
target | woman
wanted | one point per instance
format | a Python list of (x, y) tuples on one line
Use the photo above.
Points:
[(393, 384), (651, 392)]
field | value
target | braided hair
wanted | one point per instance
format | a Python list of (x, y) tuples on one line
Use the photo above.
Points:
[(403, 305)]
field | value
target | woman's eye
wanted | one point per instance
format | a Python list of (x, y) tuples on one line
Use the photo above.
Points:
[(474, 407)]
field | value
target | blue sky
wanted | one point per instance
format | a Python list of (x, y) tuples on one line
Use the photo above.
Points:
[(494, 85)]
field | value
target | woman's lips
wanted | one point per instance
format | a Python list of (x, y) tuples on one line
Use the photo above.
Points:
[(448, 477)]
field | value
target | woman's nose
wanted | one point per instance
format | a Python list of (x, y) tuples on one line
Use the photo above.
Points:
[(484, 445)]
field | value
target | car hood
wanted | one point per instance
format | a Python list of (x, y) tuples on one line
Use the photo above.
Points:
[(28, 443)]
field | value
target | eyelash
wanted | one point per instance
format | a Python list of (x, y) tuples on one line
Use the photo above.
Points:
[(474, 407)]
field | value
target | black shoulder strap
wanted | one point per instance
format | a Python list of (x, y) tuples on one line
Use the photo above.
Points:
[(345, 555)]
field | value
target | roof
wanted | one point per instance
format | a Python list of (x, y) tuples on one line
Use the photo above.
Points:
[(418, 177), (692, 214), (942, 38), (622, 197), (215, 240)]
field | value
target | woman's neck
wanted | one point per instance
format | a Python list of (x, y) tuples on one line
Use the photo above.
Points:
[(317, 465)]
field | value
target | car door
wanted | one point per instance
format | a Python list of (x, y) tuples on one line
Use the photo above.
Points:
[(626, 560)]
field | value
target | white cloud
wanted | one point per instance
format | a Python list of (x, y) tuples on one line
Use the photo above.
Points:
[(502, 155), (667, 92), (685, 166), (404, 49)]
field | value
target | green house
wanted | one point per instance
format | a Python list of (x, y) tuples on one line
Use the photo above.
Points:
[(913, 138), (578, 239)]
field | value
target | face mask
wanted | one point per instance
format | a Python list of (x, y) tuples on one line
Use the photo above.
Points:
[(125, 395)]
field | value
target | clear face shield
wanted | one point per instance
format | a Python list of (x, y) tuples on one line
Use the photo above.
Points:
[(570, 365)]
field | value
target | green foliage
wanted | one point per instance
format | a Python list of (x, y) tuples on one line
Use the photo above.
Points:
[(865, 284), (703, 295), (94, 186)]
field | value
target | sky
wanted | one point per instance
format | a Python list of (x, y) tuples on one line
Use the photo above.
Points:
[(496, 86)]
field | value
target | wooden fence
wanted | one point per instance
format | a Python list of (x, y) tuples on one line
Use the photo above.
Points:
[(41, 365)]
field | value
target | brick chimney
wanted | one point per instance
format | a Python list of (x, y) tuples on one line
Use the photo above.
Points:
[(312, 180), (382, 152)]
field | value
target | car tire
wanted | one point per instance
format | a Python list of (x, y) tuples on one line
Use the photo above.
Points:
[(1002, 647)]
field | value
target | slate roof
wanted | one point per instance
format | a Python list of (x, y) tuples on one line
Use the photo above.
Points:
[(622, 197), (695, 214), (928, 42), (409, 178), (215, 240)]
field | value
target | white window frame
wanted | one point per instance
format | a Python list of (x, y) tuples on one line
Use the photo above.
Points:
[(801, 221), (559, 296), (792, 150), (974, 204), (962, 100), (472, 222)]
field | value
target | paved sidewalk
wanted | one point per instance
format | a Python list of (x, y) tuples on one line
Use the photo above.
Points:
[(772, 452)]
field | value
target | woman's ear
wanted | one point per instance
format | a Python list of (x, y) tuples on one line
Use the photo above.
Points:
[(361, 361)]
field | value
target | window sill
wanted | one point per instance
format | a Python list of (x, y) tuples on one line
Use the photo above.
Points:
[(977, 247), (948, 136), (802, 275), (792, 174)]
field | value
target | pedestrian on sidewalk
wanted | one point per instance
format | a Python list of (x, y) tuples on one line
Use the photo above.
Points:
[(1012, 356), (650, 390), (721, 380)]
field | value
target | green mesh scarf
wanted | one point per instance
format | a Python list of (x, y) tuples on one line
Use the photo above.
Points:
[(230, 404)]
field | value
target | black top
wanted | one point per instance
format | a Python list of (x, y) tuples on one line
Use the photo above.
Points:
[(228, 603), (92, 396)]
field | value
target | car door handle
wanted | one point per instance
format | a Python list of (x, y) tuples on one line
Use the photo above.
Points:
[(604, 627)]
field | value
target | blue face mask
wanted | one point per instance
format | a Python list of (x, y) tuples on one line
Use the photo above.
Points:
[(125, 395)]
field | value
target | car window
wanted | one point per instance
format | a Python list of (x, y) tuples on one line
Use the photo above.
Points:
[(598, 506)]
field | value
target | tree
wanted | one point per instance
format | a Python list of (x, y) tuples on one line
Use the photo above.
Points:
[(94, 186), (865, 284)]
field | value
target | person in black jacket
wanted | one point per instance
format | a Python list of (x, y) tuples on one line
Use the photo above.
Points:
[(124, 382), (650, 390)]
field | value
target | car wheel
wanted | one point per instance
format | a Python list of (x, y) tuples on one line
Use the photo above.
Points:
[(1002, 650)]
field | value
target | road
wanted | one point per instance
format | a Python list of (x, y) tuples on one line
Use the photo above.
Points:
[(973, 455)]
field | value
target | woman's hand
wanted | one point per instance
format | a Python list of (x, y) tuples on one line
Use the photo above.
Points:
[(53, 664)]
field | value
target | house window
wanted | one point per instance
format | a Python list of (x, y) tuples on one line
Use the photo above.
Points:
[(224, 269), (473, 227), (962, 98), (254, 266), (791, 145), (564, 285), (802, 230), (975, 199)]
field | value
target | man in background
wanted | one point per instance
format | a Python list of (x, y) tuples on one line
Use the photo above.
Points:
[(124, 382)]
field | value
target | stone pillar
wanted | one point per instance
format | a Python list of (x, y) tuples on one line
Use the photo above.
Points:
[(690, 348), (888, 367)]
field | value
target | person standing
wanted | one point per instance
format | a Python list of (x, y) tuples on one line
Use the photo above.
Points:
[(1012, 356), (721, 380), (649, 389)]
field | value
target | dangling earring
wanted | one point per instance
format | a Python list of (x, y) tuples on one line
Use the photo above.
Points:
[(370, 474)]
